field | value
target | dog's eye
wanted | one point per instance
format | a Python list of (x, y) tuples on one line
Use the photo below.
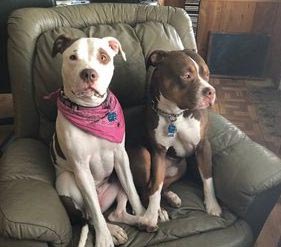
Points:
[(186, 76), (103, 58), (73, 57)]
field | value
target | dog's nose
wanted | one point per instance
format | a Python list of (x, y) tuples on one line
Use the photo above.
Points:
[(89, 75), (209, 91)]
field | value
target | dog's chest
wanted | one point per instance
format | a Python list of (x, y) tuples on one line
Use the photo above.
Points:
[(186, 138), (86, 149)]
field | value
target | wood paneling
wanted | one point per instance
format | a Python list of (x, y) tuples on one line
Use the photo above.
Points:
[(174, 3), (207, 22), (238, 17), (265, 15), (258, 16)]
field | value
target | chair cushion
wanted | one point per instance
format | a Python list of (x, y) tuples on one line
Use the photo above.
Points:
[(188, 222), (30, 208)]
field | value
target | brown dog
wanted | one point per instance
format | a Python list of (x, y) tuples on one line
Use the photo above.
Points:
[(177, 121)]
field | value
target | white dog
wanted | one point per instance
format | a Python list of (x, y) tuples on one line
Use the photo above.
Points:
[(89, 141)]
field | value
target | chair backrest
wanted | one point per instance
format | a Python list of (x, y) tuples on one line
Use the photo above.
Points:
[(34, 73), (6, 7)]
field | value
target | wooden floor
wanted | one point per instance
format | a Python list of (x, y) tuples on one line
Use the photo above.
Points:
[(234, 103)]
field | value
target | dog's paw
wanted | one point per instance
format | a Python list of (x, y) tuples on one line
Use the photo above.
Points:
[(163, 215), (148, 228), (213, 208), (104, 239), (119, 236), (148, 224), (172, 199)]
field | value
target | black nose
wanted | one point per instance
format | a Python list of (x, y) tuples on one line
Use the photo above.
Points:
[(89, 75), (208, 91)]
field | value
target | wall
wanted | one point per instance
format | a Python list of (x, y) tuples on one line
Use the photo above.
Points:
[(243, 16)]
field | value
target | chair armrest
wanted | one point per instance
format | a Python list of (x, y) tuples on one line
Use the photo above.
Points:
[(247, 175), (30, 208)]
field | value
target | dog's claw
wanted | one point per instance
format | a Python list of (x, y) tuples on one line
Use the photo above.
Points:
[(163, 215), (147, 228), (145, 224), (152, 228)]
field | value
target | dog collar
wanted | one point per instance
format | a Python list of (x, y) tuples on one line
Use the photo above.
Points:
[(170, 116), (76, 106)]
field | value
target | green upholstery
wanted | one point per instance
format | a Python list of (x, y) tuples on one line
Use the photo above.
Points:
[(30, 207), (6, 8), (247, 176)]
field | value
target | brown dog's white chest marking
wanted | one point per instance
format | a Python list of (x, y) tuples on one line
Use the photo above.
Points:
[(187, 134)]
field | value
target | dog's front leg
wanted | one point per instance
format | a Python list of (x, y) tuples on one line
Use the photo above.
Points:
[(204, 160), (86, 184), (123, 171), (158, 170)]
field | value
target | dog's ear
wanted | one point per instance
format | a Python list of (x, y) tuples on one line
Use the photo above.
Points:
[(115, 45), (61, 43), (155, 58)]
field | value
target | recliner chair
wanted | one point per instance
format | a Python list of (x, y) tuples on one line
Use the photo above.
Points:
[(6, 8), (247, 176)]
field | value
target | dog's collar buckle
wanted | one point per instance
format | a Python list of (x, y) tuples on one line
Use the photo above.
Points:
[(172, 118)]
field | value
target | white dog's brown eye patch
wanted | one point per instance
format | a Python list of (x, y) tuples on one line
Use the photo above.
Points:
[(103, 57)]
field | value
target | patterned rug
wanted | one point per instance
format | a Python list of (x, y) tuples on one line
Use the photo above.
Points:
[(268, 105)]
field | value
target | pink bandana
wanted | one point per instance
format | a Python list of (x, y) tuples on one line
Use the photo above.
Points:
[(105, 121)]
